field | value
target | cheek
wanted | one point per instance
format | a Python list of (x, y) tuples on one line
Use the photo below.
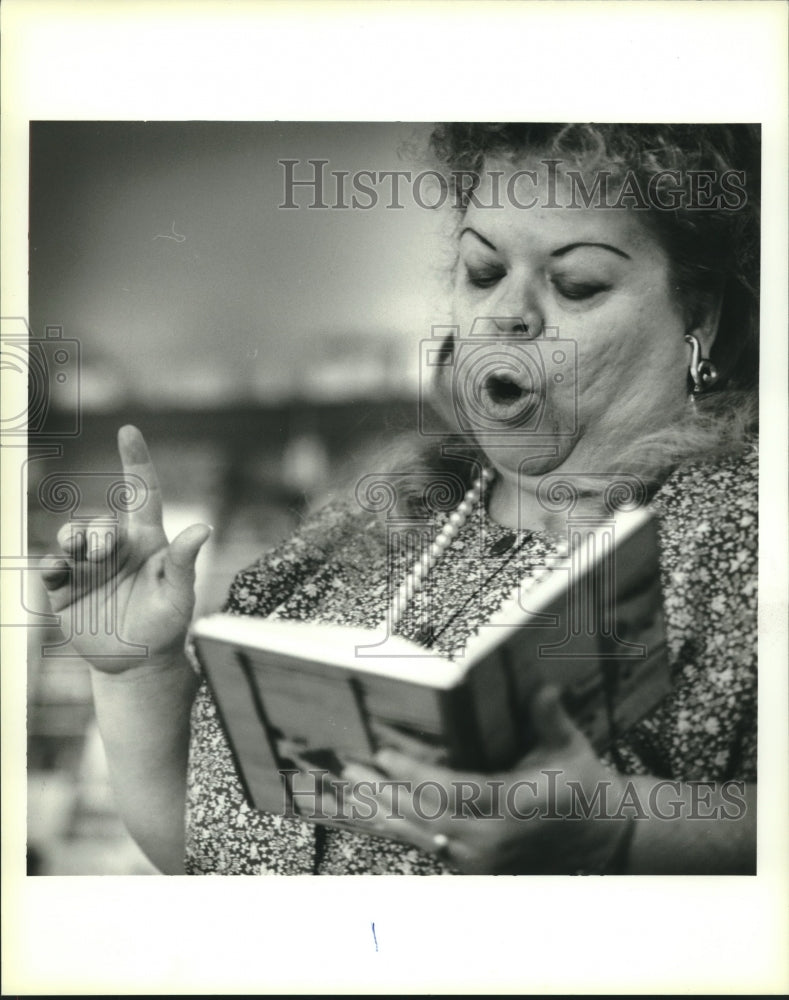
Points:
[(632, 360), (466, 306), (599, 373), (592, 382)]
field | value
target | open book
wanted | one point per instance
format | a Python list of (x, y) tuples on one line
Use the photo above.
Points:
[(290, 691)]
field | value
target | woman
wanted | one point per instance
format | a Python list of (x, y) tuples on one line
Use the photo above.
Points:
[(636, 245)]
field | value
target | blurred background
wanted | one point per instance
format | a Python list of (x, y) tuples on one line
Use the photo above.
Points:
[(266, 354)]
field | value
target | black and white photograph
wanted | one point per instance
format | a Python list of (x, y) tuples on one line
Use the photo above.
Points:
[(392, 501), (600, 358)]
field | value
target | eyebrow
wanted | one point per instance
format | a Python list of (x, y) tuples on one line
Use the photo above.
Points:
[(481, 238), (605, 246), (556, 253)]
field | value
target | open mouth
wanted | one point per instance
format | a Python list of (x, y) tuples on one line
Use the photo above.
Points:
[(504, 391), (499, 390), (509, 400)]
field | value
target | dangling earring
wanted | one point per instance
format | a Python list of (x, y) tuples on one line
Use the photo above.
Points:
[(702, 370)]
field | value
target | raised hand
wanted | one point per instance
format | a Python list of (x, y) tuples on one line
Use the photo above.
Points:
[(131, 577)]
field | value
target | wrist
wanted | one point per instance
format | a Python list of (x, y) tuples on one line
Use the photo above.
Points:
[(138, 669)]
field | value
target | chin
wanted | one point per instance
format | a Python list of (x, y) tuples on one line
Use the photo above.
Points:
[(530, 456)]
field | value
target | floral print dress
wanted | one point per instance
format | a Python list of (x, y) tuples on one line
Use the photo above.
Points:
[(337, 568)]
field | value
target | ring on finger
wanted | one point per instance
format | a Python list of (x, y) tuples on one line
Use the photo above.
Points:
[(440, 846)]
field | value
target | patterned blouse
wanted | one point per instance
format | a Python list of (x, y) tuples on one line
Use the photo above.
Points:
[(337, 568)]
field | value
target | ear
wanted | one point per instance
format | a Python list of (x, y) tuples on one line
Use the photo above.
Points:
[(704, 323)]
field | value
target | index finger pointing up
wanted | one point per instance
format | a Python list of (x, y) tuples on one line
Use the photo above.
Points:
[(136, 461)]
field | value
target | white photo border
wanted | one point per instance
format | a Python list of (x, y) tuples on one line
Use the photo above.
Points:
[(552, 61)]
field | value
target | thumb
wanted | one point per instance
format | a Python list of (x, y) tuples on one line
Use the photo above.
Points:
[(182, 552), (552, 726)]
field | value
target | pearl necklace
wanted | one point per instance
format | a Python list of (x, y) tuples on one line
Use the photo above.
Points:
[(423, 566)]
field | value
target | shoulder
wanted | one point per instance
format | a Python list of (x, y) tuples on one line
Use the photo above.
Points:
[(712, 507), (713, 487), (339, 530), (714, 502), (708, 529)]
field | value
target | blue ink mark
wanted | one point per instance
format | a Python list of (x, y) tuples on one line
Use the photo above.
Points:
[(172, 235), (374, 937)]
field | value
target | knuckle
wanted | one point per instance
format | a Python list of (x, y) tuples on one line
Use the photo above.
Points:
[(70, 536), (100, 535)]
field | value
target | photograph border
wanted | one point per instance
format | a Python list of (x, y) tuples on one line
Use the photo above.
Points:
[(399, 61)]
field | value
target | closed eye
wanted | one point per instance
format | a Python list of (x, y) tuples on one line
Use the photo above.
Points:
[(577, 291), (483, 277)]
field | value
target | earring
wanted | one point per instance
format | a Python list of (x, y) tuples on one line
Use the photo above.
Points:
[(702, 370)]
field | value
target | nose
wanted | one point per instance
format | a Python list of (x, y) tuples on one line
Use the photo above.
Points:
[(517, 313), (518, 326)]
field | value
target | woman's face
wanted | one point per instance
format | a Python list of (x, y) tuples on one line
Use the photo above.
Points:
[(571, 339)]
